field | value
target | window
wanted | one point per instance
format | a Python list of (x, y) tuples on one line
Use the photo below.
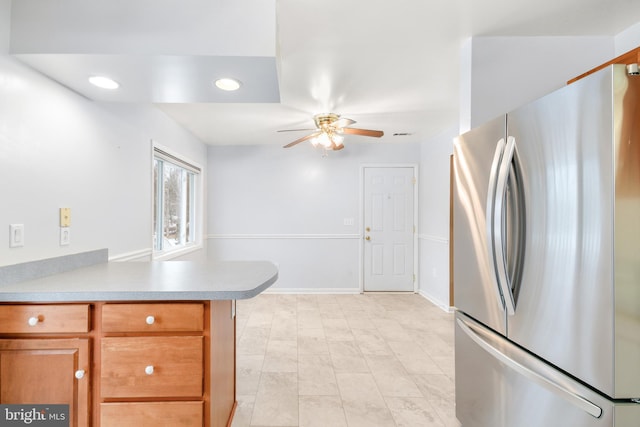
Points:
[(175, 221)]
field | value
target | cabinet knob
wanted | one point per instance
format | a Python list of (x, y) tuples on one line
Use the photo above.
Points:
[(79, 374), (150, 320), (33, 321), (148, 370)]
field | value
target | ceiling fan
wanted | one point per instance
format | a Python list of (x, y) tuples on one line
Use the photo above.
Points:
[(329, 132)]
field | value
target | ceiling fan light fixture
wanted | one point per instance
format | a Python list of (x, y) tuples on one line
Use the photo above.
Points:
[(328, 141), (228, 84), (323, 140), (104, 82), (330, 131)]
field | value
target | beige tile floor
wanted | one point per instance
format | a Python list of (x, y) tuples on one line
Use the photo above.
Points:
[(344, 361)]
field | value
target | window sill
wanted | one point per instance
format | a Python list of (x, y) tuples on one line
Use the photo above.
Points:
[(164, 256)]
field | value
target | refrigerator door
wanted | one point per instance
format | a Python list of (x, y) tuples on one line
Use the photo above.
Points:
[(565, 310), (500, 385), (477, 159), (627, 232)]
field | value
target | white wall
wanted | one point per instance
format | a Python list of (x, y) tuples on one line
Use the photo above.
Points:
[(58, 149), (5, 25), (434, 217), (503, 73), (289, 206), (627, 40)]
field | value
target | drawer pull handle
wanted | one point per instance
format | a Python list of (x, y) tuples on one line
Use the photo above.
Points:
[(151, 320), (33, 321), (79, 374), (149, 370)]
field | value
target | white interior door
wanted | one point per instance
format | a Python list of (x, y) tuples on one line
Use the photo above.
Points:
[(388, 228)]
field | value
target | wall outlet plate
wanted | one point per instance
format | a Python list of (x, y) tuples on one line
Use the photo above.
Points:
[(65, 236), (65, 217), (16, 235)]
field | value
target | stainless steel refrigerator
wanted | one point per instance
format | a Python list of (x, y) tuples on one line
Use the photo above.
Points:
[(547, 260)]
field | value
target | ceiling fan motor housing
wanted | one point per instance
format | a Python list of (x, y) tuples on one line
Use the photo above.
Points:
[(325, 120)]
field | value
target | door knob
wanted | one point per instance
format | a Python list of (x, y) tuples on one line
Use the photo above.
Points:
[(367, 238), (368, 229)]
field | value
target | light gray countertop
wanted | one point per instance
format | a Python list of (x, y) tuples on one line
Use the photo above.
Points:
[(148, 281)]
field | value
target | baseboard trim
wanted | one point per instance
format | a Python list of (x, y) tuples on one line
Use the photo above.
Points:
[(283, 236), (436, 302), (312, 291), (132, 256), (432, 238)]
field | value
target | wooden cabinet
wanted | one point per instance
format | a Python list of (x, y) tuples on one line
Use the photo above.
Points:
[(40, 368), (167, 364), (123, 364), (152, 357)]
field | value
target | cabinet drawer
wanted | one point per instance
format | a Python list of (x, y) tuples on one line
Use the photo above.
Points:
[(174, 317), (152, 367), (44, 318), (151, 414)]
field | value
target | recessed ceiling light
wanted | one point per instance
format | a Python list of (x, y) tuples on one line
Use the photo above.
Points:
[(227, 84), (104, 82)]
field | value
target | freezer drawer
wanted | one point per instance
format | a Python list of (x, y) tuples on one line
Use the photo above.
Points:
[(500, 385)]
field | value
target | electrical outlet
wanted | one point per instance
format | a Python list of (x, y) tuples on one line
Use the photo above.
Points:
[(16, 235)]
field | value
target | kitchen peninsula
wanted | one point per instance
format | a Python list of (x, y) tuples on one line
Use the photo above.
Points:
[(128, 344)]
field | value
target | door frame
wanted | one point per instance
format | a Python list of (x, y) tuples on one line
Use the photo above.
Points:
[(416, 257)]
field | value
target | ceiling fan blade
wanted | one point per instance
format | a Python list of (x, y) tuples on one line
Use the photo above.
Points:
[(295, 130), (338, 147), (304, 138), (363, 132), (342, 123)]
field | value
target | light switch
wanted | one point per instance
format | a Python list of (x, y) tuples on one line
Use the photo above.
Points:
[(65, 217), (65, 236), (16, 235)]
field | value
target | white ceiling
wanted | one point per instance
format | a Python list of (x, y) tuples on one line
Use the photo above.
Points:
[(389, 65)]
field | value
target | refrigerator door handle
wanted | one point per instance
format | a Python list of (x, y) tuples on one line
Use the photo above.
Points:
[(548, 383), (498, 220), (490, 215)]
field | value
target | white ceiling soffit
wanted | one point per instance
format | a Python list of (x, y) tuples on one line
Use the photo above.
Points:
[(163, 78)]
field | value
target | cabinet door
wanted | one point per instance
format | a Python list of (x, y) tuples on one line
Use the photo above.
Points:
[(46, 371)]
